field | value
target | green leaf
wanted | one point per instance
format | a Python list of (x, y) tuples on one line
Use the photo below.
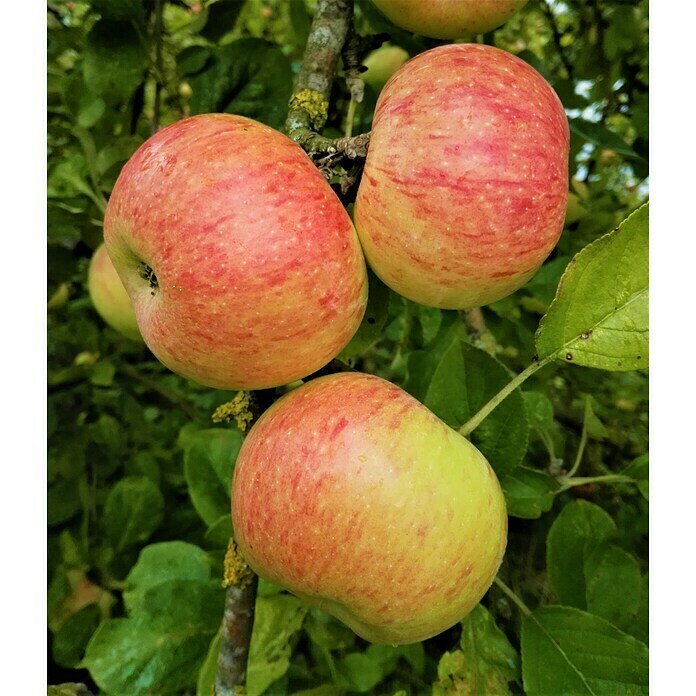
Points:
[(567, 651), (249, 77), (219, 533), (208, 671), (114, 61), (208, 466), (528, 492), (69, 689), (161, 648), (613, 582), (71, 639), (122, 10), (638, 470), (600, 136), (599, 317), (465, 379), (132, 512), (484, 664), (376, 314), (222, 15), (157, 563), (575, 534), (594, 427), (358, 672), (276, 620), (63, 502)]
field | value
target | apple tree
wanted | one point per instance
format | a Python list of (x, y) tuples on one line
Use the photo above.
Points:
[(546, 376)]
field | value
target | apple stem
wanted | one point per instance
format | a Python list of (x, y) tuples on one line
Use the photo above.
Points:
[(513, 596), (510, 387)]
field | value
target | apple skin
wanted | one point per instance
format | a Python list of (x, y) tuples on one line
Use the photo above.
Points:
[(109, 297), (465, 185), (359, 500), (448, 19), (260, 279), (381, 64)]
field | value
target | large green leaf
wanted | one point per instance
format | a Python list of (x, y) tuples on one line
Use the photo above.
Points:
[(115, 60), (613, 584), (528, 492), (575, 534), (276, 620), (484, 664), (208, 467), (249, 77), (160, 649), (570, 652), (157, 563), (599, 317), (133, 511), (464, 380)]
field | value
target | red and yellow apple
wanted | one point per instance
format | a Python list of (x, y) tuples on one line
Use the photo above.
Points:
[(448, 19), (359, 500), (243, 266), (465, 185), (109, 297)]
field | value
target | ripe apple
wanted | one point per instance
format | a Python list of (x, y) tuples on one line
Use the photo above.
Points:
[(358, 499), (382, 63), (448, 19), (109, 297), (243, 266), (465, 185)]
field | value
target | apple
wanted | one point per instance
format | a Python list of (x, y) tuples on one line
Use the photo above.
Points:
[(109, 297), (243, 266), (359, 500), (381, 64), (465, 185), (448, 19)]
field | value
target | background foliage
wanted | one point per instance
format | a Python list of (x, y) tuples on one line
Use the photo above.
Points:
[(138, 475)]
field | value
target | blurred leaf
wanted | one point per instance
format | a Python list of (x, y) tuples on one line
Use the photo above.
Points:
[(276, 620), (599, 317), (465, 379), (158, 563), (63, 502), (248, 77), (208, 467), (70, 689), (222, 15), (638, 470), (219, 533), (484, 665), (359, 672), (115, 60), (567, 651), (133, 511), (599, 135), (372, 325), (528, 492), (575, 534), (594, 427), (70, 641), (613, 581), (119, 9)]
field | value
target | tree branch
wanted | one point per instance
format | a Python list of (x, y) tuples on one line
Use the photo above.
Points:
[(237, 624), (309, 103)]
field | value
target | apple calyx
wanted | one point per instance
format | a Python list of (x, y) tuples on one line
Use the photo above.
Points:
[(146, 273)]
